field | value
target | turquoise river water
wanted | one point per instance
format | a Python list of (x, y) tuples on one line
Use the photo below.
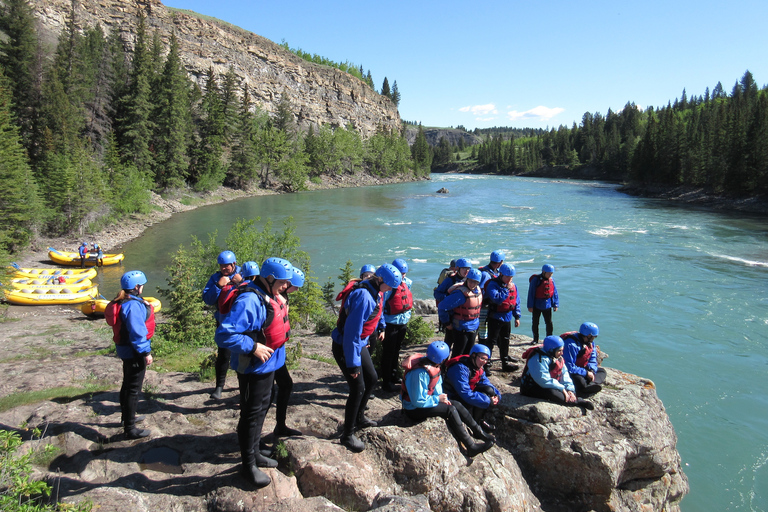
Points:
[(680, 294)]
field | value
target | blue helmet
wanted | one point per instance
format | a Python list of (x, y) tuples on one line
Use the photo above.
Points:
[(479, 348), (390, 275), (367, 268), (589, 329), (278, 268), (463, 263), (438, 351), (226, 257), (507, 270), (497, 256), (249, 269), (552, 343), (297, 279), (401, 265), (132, 278), (548, 268), (474, 274), (84, 244)]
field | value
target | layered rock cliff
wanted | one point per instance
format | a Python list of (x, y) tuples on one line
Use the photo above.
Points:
[(318, 95)]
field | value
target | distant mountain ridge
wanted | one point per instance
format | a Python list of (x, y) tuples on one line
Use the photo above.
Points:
[(318, 95)]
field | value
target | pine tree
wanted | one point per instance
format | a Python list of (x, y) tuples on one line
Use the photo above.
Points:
[(421, 154), (229, 103), (242, 167), (208, 171), (395, 96), (19, 201), (385, 89)]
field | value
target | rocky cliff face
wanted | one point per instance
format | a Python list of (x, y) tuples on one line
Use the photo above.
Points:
[(433, 135), (318, 95)]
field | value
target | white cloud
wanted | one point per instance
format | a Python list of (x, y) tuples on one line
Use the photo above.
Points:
[(480, 110), (541, 113)]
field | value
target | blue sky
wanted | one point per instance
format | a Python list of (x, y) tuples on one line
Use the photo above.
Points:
[(523, 64)]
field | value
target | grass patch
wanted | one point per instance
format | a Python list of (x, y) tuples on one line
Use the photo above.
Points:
[(102, 352), (43, 458), (64, 394), (322, 359)]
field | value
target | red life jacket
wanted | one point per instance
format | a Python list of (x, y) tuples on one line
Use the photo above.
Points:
[(555, 366), (582, 359), (400, 301), (414, 362), (276, 329), (119, 331), (546, 287), (369, 326), (229, 292), (509, 303), (471, 307), (474, 375)]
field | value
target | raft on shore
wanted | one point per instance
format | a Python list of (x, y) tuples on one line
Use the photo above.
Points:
[(25, 282), (73, 258), (70, 275), (96, 307), (43, 297)]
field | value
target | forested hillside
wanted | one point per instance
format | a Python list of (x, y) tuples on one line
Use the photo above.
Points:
[(89, 126)]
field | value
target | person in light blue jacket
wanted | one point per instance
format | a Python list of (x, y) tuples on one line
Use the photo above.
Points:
[(254, 332), (229, 273), (422, 397), (545, 375), (133, 328), (398, 304), (359, 317)]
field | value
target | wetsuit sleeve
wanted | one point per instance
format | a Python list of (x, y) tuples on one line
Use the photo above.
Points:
[(247, 315), (458, 376), (211, 290), (570, 353), (539, 370), (417, 384), (454, 300), (361, 305), (134, 317)]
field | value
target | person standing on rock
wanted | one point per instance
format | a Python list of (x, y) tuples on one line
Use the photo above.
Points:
[(580, 356), (254, 332), (467, 384), (542, 300), (229, 272), (500, 293), (545, 375), (488, 272), (422, 397), (463, 266), (460, 312), (133, 325), (398, 304), (360, 315)]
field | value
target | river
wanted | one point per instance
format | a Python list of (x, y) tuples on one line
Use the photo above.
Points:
[(680, 294)]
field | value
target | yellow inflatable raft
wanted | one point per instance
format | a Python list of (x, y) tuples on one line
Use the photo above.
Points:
[(43, 297), (75, 286), (73, 258), (70, 274), (96, 306)]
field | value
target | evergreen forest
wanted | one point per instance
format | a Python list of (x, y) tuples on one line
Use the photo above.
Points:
[(89, 128)]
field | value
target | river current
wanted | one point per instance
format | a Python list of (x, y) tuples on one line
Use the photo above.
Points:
[(680, 294)]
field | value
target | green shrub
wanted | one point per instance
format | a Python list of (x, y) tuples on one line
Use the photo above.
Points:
[(418, 332), (325, 323)]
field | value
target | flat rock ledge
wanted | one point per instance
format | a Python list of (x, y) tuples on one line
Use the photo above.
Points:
[(621, 456)]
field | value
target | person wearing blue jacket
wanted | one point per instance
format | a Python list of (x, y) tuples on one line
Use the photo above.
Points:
[(545, 375), (254, 333), (359, 317), (83, 252), (467, 384), (132, 333), (229, 271), (580, 356), (503, 301), (398, 304), (542, 300), (460, 313), (463, 266), (422, 397)]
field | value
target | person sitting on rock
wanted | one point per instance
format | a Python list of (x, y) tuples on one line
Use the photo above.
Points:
[(422, 397), (544, 375), (580, 356), (467, 384)]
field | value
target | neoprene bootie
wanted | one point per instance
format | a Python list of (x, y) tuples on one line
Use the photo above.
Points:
[(352, 443), (254, 475), (216, 395)]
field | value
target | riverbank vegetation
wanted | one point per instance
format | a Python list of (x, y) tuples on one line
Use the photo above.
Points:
[(717, 141), (90, 127)]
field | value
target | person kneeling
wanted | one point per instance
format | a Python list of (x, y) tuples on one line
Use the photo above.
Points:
[(544, 375), (466, 383), (422, 396)]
